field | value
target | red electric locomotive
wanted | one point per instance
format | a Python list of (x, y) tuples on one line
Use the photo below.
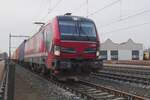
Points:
[(66, 48)]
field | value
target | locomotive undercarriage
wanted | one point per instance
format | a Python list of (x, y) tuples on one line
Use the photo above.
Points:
[(67, 69), (72, 69)]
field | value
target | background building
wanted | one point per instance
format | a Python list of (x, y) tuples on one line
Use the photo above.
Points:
[(124, 51)]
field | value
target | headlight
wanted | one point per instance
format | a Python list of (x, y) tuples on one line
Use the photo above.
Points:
[(97, 53), (57, 50)]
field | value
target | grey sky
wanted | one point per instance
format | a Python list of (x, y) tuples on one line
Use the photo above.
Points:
[(17, 17)]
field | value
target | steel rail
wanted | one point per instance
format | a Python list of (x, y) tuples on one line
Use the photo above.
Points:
[(86, 92), (126, 78), (127, 67), (128, 96), (128, 70)]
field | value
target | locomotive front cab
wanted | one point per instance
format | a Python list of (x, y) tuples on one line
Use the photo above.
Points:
[(78, 48), (79, 38)]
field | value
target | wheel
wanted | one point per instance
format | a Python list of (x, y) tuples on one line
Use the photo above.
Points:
[(86, 69), (94, 70), (44, 70)]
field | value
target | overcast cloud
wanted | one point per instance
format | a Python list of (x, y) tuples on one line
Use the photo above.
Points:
[(17, 17)]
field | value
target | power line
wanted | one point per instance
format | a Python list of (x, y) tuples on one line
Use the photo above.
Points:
[(133, 26), (128, 17), (47, 6), (87, 9), (109, 5), (40, 9), (52, 8), (55, 6), (79, 7), (120, 9)]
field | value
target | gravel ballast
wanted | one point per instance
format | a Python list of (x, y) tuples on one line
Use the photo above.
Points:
[(120, 85), (33, 87)]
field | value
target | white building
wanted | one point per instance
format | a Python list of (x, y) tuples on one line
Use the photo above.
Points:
[(124, 51)]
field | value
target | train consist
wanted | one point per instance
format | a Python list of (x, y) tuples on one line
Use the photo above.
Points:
[(66, 48)]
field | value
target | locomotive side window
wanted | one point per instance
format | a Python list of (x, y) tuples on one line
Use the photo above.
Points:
[(48, 36), (45, 35)]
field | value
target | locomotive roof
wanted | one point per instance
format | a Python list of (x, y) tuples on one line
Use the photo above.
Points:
[(65, 17), (69, 17)]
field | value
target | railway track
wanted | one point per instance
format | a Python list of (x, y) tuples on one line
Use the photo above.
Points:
[(127, 74), (122, 77), (141, 71), (91, 91), (133, 62)]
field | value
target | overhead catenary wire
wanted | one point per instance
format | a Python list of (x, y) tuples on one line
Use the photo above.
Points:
[(58, 2), (129, 27), (87, 8), (120, 9), (107, 6), (126, 18), (52, 9), (47, 7), (79, 7), (40, 9)]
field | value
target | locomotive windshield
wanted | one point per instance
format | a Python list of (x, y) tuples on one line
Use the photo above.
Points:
[(67, 28), (87, 29), (77, 30)]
